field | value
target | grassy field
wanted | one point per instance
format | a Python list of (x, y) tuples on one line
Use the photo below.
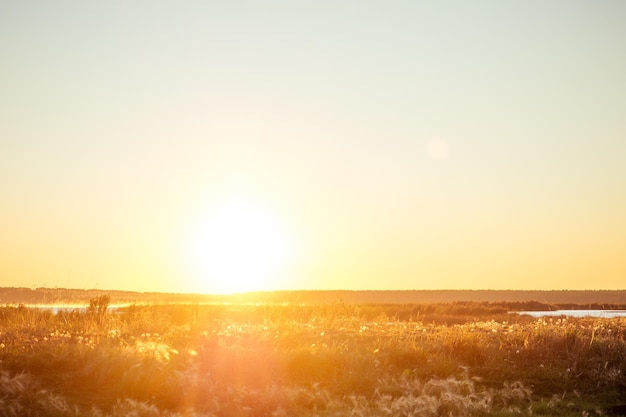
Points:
[(330, 359)]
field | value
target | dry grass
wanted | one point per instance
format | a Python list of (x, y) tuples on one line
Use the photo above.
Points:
[(306, 360)]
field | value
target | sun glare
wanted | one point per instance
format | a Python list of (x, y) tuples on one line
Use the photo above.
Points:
[(238, 247), (438, 148)]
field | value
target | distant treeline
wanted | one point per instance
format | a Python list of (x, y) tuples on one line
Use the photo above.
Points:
[(591, 298), (19, 295), (523, 300)]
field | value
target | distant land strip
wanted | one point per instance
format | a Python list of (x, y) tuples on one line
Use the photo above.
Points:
[(18, 295)]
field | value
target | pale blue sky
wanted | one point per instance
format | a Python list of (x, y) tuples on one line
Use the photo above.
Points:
[(121, 121)]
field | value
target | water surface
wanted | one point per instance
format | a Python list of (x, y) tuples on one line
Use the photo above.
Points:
[(576, 313)]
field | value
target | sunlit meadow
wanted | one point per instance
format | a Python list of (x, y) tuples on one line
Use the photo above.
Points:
[(307, 360)]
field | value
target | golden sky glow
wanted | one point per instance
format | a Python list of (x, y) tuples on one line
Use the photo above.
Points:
[(232, 146)]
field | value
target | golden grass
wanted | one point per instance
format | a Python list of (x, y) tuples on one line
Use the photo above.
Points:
[(306, 360)]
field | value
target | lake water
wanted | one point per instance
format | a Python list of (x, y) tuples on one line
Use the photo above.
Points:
[(554, 313), (576, 313), (55, 308)]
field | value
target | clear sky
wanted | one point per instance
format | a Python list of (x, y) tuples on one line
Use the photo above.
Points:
[(240, 145)]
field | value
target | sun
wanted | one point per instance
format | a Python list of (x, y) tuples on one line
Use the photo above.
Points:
[(239, 246)]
